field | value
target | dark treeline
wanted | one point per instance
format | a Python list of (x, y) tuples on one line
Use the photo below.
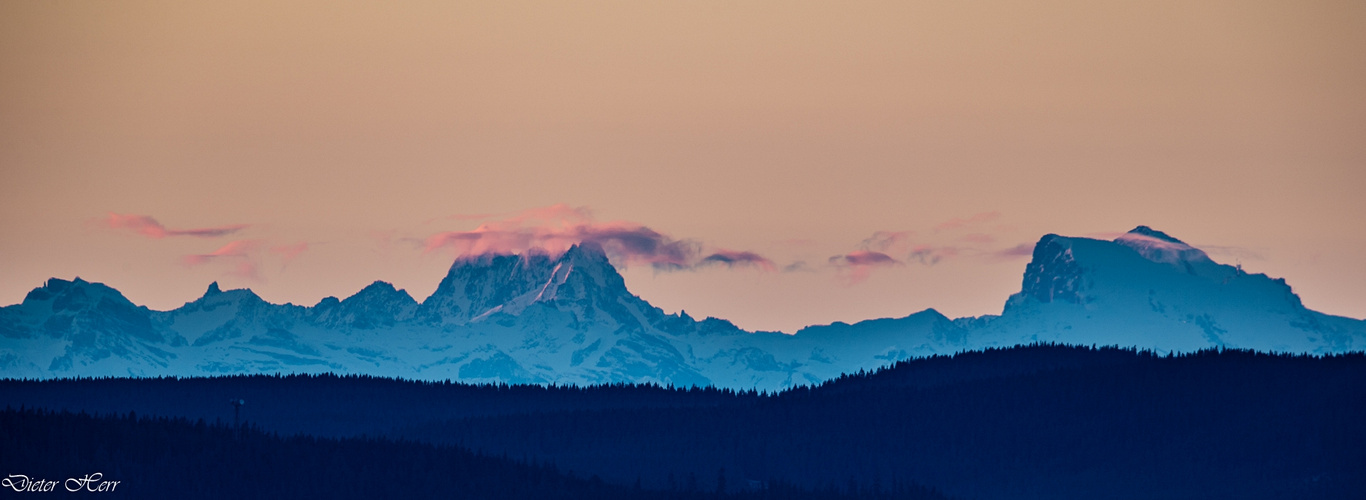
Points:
[(150, 458), (1213, 424), (350, 405), (1042, 421), (337, 406), (939, 370)]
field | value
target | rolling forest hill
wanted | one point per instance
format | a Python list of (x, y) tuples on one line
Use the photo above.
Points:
[(1083, 423), (150, 458), (338, 406), (1040, 421)]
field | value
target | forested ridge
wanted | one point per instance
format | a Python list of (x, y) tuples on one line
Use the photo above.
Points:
[(1041, 421), (174, 458), (341, 405)]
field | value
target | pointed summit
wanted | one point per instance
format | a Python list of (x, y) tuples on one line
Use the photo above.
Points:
[(583, 276), (1153, 233), (379, 304), (581, 279), (213, 289), (477, 284), (1160, 247), (383, 296), (585, 253)]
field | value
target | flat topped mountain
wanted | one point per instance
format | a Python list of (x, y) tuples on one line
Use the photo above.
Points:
[(1151, 290), (569, 319)]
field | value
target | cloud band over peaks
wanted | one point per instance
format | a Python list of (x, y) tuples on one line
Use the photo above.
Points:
[(147, 226), (556, 228)]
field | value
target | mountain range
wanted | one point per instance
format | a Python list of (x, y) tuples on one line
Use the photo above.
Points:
[(569, 319)]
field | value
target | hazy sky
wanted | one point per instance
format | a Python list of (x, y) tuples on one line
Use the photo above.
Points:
[(307, 149)]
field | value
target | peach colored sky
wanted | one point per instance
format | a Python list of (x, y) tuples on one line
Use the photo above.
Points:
[(304, 149)]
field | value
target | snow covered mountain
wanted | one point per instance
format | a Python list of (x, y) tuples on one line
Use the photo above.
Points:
[(1150, 290), (569, 319)]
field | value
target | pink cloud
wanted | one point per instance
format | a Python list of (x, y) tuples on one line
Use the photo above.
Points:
[(856, 266), (246, 269), (238, 252), (556, 228), (930, 255), (235, 248), (287, 253), (731, 258), (959, 223), (978, 238), (884, 241), (149, 227), (899, 243), (864, 258)]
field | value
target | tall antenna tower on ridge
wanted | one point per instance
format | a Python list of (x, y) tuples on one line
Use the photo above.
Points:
[(237, 417)]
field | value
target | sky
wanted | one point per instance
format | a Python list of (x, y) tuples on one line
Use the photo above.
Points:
[(778, 164)]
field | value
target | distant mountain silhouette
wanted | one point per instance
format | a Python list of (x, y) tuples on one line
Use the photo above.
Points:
[(569, 319)]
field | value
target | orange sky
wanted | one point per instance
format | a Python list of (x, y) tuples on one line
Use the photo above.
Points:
[(343, 136)]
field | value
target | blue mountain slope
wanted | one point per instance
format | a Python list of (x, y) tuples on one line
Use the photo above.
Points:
[(569, 319), (1150, 290)]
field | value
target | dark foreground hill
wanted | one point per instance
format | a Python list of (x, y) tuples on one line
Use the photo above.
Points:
[(1037, 422), (149, 458), (1040, 421)]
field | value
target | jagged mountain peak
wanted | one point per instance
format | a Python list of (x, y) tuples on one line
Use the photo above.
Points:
[(381, 290), (479, 286), (216, 294), (568, 317), (379, 304), (74, 294), (89, 321), (1053, 272)]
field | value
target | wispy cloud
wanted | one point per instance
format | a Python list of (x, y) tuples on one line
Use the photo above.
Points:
[(287, 253), (731, 258), (883, 241), (963, 222), (977, 238), (556, 228), (147, 226), (239, 253), (1232, 251), (244, 258), (1015, 252), (864, 258), (930, 254), (1104, 235), (856, 266), (894, 248)]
